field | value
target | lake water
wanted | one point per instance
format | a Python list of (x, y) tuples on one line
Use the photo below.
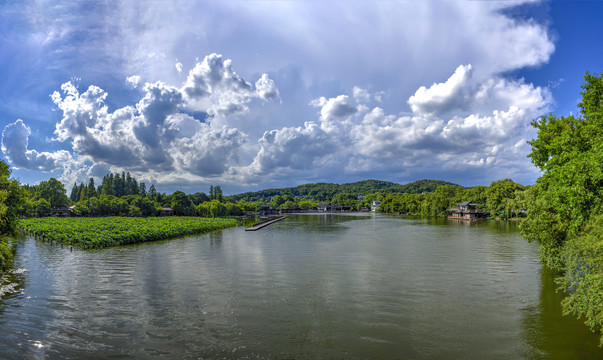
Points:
[(358, 286)]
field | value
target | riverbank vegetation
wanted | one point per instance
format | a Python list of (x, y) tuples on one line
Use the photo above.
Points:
[(503, 199), (122, 195), (566, 207), (11, 198), (88, 233)]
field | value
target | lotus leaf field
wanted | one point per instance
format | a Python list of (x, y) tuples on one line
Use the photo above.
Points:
[(91, 233)]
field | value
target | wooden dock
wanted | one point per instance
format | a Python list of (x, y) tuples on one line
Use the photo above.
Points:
[(263, 224)]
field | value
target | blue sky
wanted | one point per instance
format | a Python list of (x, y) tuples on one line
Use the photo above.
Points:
[(257, 94)]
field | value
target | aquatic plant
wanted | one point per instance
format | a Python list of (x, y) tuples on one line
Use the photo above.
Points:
[(89, 233)]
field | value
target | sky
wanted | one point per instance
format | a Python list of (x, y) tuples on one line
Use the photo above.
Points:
[(251, 95)]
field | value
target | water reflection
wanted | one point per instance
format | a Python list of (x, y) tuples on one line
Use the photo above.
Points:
[(310, 286), (552, 335), (12, 283), (323, 222)]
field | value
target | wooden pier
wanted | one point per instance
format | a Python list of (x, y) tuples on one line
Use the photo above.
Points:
[(263, 224)]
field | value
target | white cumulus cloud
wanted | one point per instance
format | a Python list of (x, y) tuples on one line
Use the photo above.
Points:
[(456, 127), (214, 86), (443, 97), (15, 138), (155, 135), (133, 80)]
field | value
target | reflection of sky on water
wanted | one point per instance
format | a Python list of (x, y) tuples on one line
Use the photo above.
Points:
[(11, 283)]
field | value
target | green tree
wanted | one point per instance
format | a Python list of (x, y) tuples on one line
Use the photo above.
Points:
[(198, 198), (182, 205), (106, 187), (233, 209), (277, 201), (53, 191), (146, 206), (91, 190), (247, 206), (204, 209), (307, 204), (439, 201), (142, 190), (152, 192), (41, 208), (215, 193), (11, 199), (569, 151), (500, 197), (74, 196), (477, 195), (345, 199), (218, 209), (289, 204), (218, 193), (565, 207), (94, 207)]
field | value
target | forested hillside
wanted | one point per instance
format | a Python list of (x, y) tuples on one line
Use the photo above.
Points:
[(326, 191)]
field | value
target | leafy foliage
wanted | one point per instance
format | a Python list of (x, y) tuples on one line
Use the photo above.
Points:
[(111, 231), (569, 151), (583, 279), (566, 204), (53, 191), (11, 199), (502, 198)]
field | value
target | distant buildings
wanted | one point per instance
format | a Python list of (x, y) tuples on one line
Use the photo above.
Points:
[(375, 205), (166, 211), (466, 211), (326, 207), (62, 211), (266, 210)]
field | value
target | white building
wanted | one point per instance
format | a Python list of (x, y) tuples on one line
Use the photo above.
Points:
[(375, 204)]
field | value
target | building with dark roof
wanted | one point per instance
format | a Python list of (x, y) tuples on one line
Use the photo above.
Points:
[(466, 211)]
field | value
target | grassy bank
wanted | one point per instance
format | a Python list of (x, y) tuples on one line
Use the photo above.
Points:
[(89, 233)]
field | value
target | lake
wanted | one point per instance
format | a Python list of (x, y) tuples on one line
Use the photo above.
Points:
[(322, 286)]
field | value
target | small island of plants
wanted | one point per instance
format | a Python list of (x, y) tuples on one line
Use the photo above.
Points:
[(89, 233)]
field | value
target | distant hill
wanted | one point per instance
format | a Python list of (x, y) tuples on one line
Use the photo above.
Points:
[(326, 191), (422, 186)]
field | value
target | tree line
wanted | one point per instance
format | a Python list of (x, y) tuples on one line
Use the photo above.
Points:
[(503, 199), (327, 191), (122, 195), (566, 205)]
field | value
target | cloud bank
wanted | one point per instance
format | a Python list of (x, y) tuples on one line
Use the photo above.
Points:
[(156, 135), (15, 138), (460, 125), (391, 90)]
